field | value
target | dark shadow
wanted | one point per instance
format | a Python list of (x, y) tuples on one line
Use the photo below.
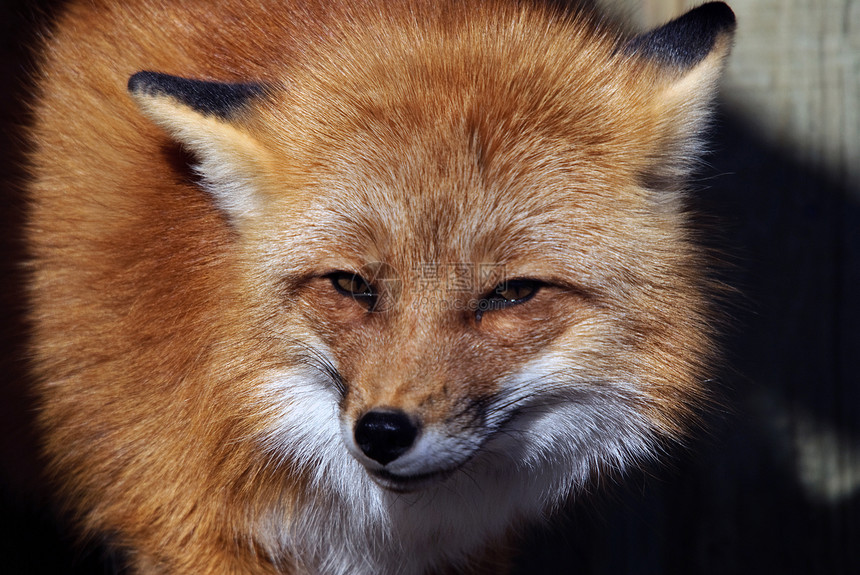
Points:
[(32, 539)]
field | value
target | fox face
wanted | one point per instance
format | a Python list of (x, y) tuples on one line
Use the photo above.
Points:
[(420, 284)]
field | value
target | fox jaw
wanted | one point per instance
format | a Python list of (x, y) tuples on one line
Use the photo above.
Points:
[(458, 282)]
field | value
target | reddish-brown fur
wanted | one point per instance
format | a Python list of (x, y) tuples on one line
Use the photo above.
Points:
[(442, 132)]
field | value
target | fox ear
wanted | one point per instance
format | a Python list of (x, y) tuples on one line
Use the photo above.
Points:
[(204, 117), (688, 53)]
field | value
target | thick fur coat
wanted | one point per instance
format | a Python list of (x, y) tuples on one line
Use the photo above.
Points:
[(360, 287)]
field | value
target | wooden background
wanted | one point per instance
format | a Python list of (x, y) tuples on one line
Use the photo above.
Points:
[(773, 486)]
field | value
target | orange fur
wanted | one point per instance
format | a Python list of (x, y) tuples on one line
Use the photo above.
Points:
[(411, 133)]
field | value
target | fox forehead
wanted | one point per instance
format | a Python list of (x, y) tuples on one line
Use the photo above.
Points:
[(451, 205), (481, 118), (483, 160), (436, 194)]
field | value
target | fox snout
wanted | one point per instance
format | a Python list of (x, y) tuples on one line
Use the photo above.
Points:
[(405, 450), (401, 453)]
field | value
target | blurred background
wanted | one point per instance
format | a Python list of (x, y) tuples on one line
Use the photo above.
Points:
[(772, 485)]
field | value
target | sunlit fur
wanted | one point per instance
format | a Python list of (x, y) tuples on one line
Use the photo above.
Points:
[(200, 376)]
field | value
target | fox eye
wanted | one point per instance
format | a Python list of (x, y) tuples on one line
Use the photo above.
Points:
[(353, 285), (506, 294)]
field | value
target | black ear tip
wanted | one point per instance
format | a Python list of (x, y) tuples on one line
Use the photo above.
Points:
[(219, 99), (686, 41), (145, 81), (140, 80), (717, 14)]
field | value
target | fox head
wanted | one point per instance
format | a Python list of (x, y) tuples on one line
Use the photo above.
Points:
[(471, 246), (461, 254)]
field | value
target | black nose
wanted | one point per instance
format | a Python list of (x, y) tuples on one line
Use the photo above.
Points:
[(385, 435)]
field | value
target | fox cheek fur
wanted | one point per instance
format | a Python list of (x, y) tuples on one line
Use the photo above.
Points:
[(428, 273)]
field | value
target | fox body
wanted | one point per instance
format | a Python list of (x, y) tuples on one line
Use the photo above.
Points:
[(359, 287)]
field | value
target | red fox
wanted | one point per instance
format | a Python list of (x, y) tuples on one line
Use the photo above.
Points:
[(360, 287)]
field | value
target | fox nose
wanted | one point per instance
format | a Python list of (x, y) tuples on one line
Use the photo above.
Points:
[(385, 435)]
